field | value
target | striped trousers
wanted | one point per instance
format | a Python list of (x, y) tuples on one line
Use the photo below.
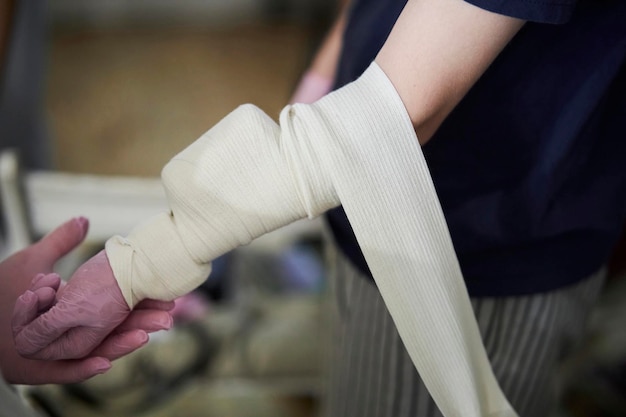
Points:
[(526, 337)]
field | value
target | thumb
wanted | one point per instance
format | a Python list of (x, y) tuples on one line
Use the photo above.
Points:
[(64, 238)]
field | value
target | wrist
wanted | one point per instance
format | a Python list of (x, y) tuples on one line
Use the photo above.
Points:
[(152, 262)]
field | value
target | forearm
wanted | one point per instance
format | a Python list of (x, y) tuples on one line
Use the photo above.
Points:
[(436, 51)]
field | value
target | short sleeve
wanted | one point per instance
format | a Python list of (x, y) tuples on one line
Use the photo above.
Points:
[(539, 11)]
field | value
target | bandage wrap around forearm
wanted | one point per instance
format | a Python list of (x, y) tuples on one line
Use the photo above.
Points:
[(235, 183), (247, 176)]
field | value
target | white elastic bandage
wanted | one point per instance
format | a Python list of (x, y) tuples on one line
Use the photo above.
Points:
[(356, 145), (230, 186)]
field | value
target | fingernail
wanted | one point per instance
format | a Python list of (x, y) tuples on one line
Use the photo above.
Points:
[(27, 297), (37, 278), (103, 367), (82, 222), (143, 337), (53, 275), (164, 323)]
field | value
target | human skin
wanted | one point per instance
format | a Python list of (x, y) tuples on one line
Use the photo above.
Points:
[(35, 263)]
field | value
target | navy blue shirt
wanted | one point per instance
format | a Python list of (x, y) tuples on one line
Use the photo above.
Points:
[(530, 167)]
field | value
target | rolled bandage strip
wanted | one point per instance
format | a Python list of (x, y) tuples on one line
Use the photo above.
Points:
[(247, 176)]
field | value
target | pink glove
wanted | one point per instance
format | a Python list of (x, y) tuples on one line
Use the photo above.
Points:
[(311, 88), (16, 274), (190, 307), (148, 316), (87, 309)]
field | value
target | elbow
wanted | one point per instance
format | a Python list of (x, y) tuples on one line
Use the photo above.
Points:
[(426, 123)]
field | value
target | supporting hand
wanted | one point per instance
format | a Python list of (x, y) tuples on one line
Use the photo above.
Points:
[(87, 309), (15, 278), (148, 316)]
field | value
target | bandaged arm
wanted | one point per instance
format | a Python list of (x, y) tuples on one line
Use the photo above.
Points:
[(431, 68), (357, 146)]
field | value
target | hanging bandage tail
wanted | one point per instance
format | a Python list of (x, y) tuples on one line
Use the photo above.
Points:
[(388, 195)]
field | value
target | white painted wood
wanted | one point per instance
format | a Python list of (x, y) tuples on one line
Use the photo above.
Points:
[(113, 205)]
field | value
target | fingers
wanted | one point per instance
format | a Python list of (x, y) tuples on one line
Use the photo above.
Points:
[(149, 304), (68, 330), (69, 372), (46, 280), (56, 372), (24, 312), (121, 344), (39, 298), (45, 298), (45, 288), (75, 343), (64, 238), (78, 342), (71, 329), (87, 309), (133, 333), (147, 320), (31, 333)]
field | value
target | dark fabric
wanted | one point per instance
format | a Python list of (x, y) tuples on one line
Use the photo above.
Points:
[(530, 168), (22, 119), (558, 11)]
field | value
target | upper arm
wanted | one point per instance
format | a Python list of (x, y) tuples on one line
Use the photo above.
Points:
[(436, 51)]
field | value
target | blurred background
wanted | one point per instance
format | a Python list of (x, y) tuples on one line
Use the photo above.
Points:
[(97, 97), (132, 83)]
